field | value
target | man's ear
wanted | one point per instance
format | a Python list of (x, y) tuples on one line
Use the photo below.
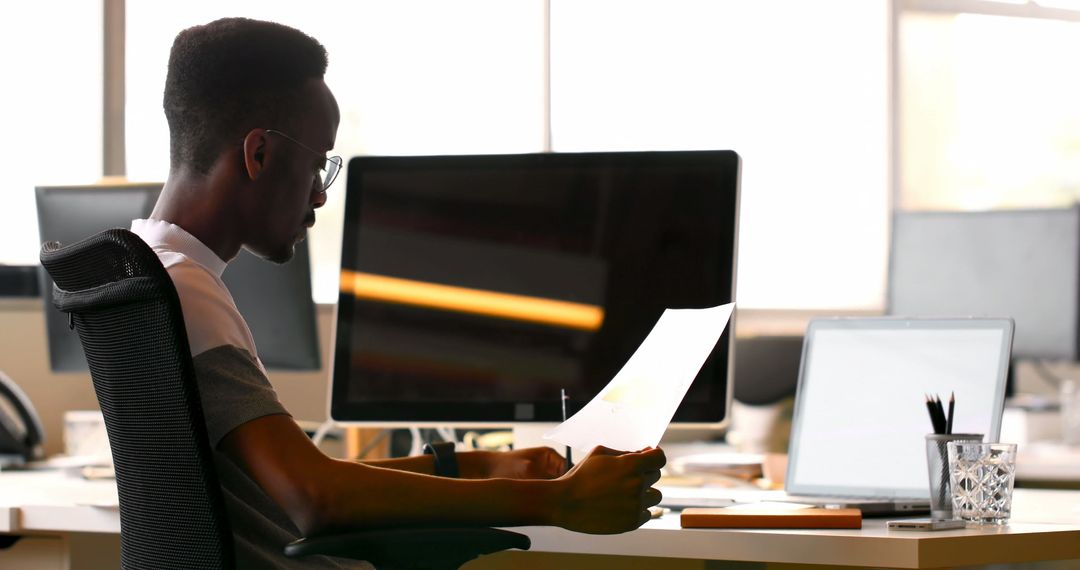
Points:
[(254, 153)]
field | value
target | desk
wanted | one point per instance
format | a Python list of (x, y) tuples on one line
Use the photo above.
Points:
[(1040, 464), (1046, 526), (67, 523), (1029, 538)]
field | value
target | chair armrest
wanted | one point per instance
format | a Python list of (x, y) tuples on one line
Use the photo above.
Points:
[(411, 547)]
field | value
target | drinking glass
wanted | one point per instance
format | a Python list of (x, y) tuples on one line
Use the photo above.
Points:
[(982, 476)]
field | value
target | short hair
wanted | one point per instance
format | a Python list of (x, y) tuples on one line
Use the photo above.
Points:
[(230, 76)]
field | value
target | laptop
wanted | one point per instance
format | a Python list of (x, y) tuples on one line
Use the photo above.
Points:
[(860, 407)]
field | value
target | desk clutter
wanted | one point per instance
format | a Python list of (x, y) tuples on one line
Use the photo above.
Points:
[(869, 459), (969, 480), (744, 467)]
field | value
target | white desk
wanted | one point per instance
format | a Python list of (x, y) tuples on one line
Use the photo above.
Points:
[(1030, 537), (50, 502), (1046, 526), (1048, 463), (67, 523)]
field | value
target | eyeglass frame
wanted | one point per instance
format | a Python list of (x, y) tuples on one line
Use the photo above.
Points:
[(331, 174)]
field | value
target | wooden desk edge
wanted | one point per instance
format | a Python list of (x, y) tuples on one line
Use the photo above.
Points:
[(1001, 548)]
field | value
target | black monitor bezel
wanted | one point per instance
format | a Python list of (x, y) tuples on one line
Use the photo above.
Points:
[(711, 413)]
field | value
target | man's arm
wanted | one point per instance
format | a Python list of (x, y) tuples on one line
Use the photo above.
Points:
[(608, 492), (529, 463)]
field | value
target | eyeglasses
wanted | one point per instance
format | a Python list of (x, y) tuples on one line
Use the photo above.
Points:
[(330, 168)]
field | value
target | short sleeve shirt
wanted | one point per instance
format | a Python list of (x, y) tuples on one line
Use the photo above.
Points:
[(233, 388)]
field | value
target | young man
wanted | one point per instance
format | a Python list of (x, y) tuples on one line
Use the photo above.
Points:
[(250, 122)]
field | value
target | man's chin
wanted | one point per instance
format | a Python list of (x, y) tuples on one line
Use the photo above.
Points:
[(282, 256)]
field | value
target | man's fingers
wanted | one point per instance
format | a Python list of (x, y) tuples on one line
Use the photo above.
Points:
[(652, 497), (601, 450), (652, 460), (553, 463), (650, 477)]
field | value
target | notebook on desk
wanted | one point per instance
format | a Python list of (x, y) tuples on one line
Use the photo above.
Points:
[(858, 427)]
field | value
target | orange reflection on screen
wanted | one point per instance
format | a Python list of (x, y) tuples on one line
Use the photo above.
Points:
[(381, 288)]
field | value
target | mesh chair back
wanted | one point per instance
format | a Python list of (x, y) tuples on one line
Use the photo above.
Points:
[(125, 309)]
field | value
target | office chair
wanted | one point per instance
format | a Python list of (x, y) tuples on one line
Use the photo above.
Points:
[(125, 309)]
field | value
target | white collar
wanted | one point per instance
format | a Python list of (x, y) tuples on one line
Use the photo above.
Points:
[(173, 237)]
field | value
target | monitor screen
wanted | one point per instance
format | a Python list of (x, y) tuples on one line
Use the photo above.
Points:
[(1023, 264), (475, 288), (275, 300)]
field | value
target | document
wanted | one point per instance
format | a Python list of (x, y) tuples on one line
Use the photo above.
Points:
[(634, 409)]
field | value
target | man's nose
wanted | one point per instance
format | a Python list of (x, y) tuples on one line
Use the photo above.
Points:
[(318, 198)]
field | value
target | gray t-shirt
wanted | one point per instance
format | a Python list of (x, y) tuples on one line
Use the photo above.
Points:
[(234, 390)]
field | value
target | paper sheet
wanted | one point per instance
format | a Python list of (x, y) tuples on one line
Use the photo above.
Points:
[(634, 409)]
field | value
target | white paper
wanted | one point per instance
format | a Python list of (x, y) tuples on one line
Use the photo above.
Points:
[(634, 409)]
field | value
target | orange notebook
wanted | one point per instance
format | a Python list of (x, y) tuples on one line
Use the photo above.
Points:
[(770, 515)]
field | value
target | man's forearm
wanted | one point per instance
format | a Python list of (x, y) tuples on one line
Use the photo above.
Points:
[(321, 494), (416, 464), (473, 464), (607, 492), (358, 495)]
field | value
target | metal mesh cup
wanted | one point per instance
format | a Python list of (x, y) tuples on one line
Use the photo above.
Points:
[(937, 463)]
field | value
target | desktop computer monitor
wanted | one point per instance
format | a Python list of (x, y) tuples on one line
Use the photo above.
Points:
[(275, 300), (475, 288), (1023, 264)]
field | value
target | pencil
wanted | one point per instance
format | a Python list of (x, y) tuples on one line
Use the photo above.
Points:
[(937, 415), (933, 414), (564, 397), (952, 403), (940, 411), (930, 410)]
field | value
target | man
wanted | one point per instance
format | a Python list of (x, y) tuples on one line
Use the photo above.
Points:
[(250, 121)]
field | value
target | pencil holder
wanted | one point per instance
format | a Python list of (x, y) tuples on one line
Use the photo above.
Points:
[(937, 463)]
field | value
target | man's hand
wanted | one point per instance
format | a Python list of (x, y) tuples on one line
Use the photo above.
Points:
[(611, 491), (528, 463)]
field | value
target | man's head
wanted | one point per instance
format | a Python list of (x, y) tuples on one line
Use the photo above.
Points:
[(246, 99)]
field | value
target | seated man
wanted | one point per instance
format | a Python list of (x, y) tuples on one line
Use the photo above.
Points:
[(250, 122)]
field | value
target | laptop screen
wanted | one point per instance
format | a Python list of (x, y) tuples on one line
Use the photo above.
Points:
[(860, 412)]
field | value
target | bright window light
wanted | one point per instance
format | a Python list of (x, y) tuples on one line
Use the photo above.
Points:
[(990, 117), (51, 110), (799, 89), (1065, 4), (410, 77)]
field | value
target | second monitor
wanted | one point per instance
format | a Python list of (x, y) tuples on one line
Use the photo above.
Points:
[(475, 288), (275, 300), (1023, 264)]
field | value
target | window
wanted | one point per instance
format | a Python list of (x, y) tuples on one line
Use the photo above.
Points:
[(51, 109), (799, 89), (410, 77), (990, 113)]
